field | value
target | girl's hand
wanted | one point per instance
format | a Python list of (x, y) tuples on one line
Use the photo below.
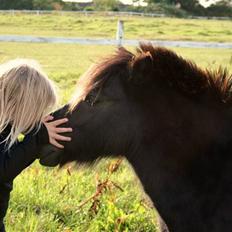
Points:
[(54, 130)]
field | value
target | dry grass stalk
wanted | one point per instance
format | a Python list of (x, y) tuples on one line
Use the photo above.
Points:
[(102, 186)]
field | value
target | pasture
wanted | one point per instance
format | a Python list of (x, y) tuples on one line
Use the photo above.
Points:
[(46, 199), (75, 25)]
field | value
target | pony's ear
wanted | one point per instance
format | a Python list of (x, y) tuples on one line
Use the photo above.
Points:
[(141, 68)]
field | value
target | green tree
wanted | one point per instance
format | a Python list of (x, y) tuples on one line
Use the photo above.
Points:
[(15, 4), (221, 9), (111, 5), (165, 1), (31, 4), (188, 5), (46, 4)]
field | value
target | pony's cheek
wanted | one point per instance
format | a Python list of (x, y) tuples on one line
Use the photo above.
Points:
[(82, 117)]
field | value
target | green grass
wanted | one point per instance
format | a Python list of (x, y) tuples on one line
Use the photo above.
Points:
[(101, 27), (46, 200)]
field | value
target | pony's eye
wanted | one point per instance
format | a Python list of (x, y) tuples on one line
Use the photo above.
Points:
[(90, 99)]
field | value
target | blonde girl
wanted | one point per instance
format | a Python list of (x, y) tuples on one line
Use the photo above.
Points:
[(26, 97)]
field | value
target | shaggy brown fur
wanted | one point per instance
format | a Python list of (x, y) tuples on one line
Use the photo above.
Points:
[(171, 120), (170, 69)]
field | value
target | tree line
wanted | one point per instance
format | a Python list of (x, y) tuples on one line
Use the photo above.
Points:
[(179, 8), (222, 8), (31, 4)]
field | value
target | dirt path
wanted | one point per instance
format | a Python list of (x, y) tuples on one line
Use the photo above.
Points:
[(86, 41)]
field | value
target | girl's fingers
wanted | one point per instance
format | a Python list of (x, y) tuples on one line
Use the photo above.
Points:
[(54, 130), (60, 121), (61, 138), (47, 118), (63, 130)]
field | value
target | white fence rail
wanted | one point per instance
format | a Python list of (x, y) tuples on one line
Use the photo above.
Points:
[(100, 13), (88, 41)]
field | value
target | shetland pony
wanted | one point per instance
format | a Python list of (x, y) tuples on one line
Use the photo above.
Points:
[(171, 120)]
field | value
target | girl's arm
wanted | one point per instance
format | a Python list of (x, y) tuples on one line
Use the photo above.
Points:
[(22, 154)]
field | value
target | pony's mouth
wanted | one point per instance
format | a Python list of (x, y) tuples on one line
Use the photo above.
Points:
[(50, 156)]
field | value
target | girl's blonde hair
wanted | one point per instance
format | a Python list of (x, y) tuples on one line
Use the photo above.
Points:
[(26, 96)]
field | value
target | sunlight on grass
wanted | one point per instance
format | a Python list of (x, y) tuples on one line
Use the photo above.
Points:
[(48, 200)]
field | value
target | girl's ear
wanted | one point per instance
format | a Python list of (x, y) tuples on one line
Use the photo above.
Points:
[(141, 68)]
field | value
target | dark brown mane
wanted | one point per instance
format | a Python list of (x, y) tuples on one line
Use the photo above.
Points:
[(167, 68), (100, 72), (185, 76)]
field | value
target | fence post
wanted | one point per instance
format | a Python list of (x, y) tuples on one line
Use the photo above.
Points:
[(120, 32)]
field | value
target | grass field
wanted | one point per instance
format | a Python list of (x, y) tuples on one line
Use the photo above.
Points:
[(102, 27), (47, 200)]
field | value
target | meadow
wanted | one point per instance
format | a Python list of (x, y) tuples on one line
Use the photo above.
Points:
[(48, 199), (74, 25)]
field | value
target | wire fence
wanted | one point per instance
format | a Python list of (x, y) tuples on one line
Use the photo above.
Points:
[(101, 13)]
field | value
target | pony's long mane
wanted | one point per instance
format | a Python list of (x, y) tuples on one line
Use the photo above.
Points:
[(100, 72), (167, 68), (187, 77)]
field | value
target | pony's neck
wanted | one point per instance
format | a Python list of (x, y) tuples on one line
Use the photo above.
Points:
[(179, 182), (167, 188)]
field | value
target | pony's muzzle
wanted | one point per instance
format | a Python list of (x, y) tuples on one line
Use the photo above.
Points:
[(50, 156)]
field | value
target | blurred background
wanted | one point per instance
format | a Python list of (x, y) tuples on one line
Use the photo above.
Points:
[(66, 37)]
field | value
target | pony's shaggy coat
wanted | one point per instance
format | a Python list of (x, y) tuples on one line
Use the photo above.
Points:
[(172, 121)]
